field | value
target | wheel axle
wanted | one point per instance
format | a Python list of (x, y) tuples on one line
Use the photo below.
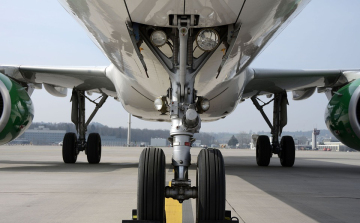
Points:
[(181, 193)]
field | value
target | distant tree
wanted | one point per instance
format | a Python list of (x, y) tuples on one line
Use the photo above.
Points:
[(244, 138), (302, 140), (233, 141)]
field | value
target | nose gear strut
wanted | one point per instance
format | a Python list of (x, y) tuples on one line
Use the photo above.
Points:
[(180, 103)]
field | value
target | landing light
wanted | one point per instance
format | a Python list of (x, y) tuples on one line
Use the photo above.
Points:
[(160, 104), (158, 38), (207, 39)]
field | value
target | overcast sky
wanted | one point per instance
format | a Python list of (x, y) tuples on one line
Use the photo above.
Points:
[(324, 36)]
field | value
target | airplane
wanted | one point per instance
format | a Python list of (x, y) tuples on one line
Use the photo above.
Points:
[(181, 62)]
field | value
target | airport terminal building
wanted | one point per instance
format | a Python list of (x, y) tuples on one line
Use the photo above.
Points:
[(43, 136)]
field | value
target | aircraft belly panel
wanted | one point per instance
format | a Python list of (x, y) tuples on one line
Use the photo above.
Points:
[(105, 21), (139, 102), (154, 12), (214, 13), (261, 21)]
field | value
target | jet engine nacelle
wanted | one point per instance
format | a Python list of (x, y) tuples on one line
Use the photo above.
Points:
[(342, 115), (16, 109)]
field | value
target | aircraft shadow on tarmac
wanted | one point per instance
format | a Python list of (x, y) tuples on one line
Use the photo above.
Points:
[(39, 166), (324, 191), (58, 167)]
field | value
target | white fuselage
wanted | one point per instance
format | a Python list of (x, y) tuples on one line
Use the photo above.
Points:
[(259, 21)]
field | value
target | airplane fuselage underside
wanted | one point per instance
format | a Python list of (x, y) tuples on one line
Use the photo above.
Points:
[(257, 22)]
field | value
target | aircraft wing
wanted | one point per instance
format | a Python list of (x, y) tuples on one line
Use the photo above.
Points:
[(58, 79), (302, 83)]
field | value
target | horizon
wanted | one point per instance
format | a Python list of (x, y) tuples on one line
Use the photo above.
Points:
[(125, 127)]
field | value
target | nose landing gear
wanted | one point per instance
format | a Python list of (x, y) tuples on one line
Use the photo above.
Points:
[(209, 191), (184, 107)]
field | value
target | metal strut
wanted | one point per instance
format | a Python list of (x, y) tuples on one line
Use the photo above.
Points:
[(185, 121), (279, 117), (78, 115)]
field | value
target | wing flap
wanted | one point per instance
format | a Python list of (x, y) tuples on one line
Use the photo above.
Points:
[(301, 82), (83, 78)]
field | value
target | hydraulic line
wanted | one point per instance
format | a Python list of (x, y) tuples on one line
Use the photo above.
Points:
[(190, 51), (176, 50)]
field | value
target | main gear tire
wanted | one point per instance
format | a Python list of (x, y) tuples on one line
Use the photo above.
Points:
[(93, 148), (263, 151), (287, 154), (69, 152)]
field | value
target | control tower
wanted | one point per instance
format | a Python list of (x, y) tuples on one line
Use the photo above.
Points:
[(314, 134)]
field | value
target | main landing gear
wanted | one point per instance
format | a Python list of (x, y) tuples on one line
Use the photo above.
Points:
[(72, 145), (286, 147)]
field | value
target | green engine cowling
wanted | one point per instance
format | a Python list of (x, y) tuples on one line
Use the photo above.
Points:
[(342, 115), (16, 109)]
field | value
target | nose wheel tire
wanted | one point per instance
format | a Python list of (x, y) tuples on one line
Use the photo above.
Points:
[(210, 181), (151, 185), (287, 154), (263, 151), (93, 148), (69, 152)]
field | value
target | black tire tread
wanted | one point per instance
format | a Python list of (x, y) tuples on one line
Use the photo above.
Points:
[(210, 177), (151, 185), (93, 148), (263, 150), (69, 148), (287, 156)]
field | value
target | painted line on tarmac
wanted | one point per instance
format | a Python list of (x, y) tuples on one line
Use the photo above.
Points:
[(187, 212), (173, 210)]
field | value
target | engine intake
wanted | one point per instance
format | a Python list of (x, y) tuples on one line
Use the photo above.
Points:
[(342, 115), (16, 110)]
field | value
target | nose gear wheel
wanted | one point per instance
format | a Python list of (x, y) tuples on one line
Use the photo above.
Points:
[(151, 185), (210, 180)]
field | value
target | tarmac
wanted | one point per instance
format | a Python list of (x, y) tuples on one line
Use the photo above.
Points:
[(36, 186)]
